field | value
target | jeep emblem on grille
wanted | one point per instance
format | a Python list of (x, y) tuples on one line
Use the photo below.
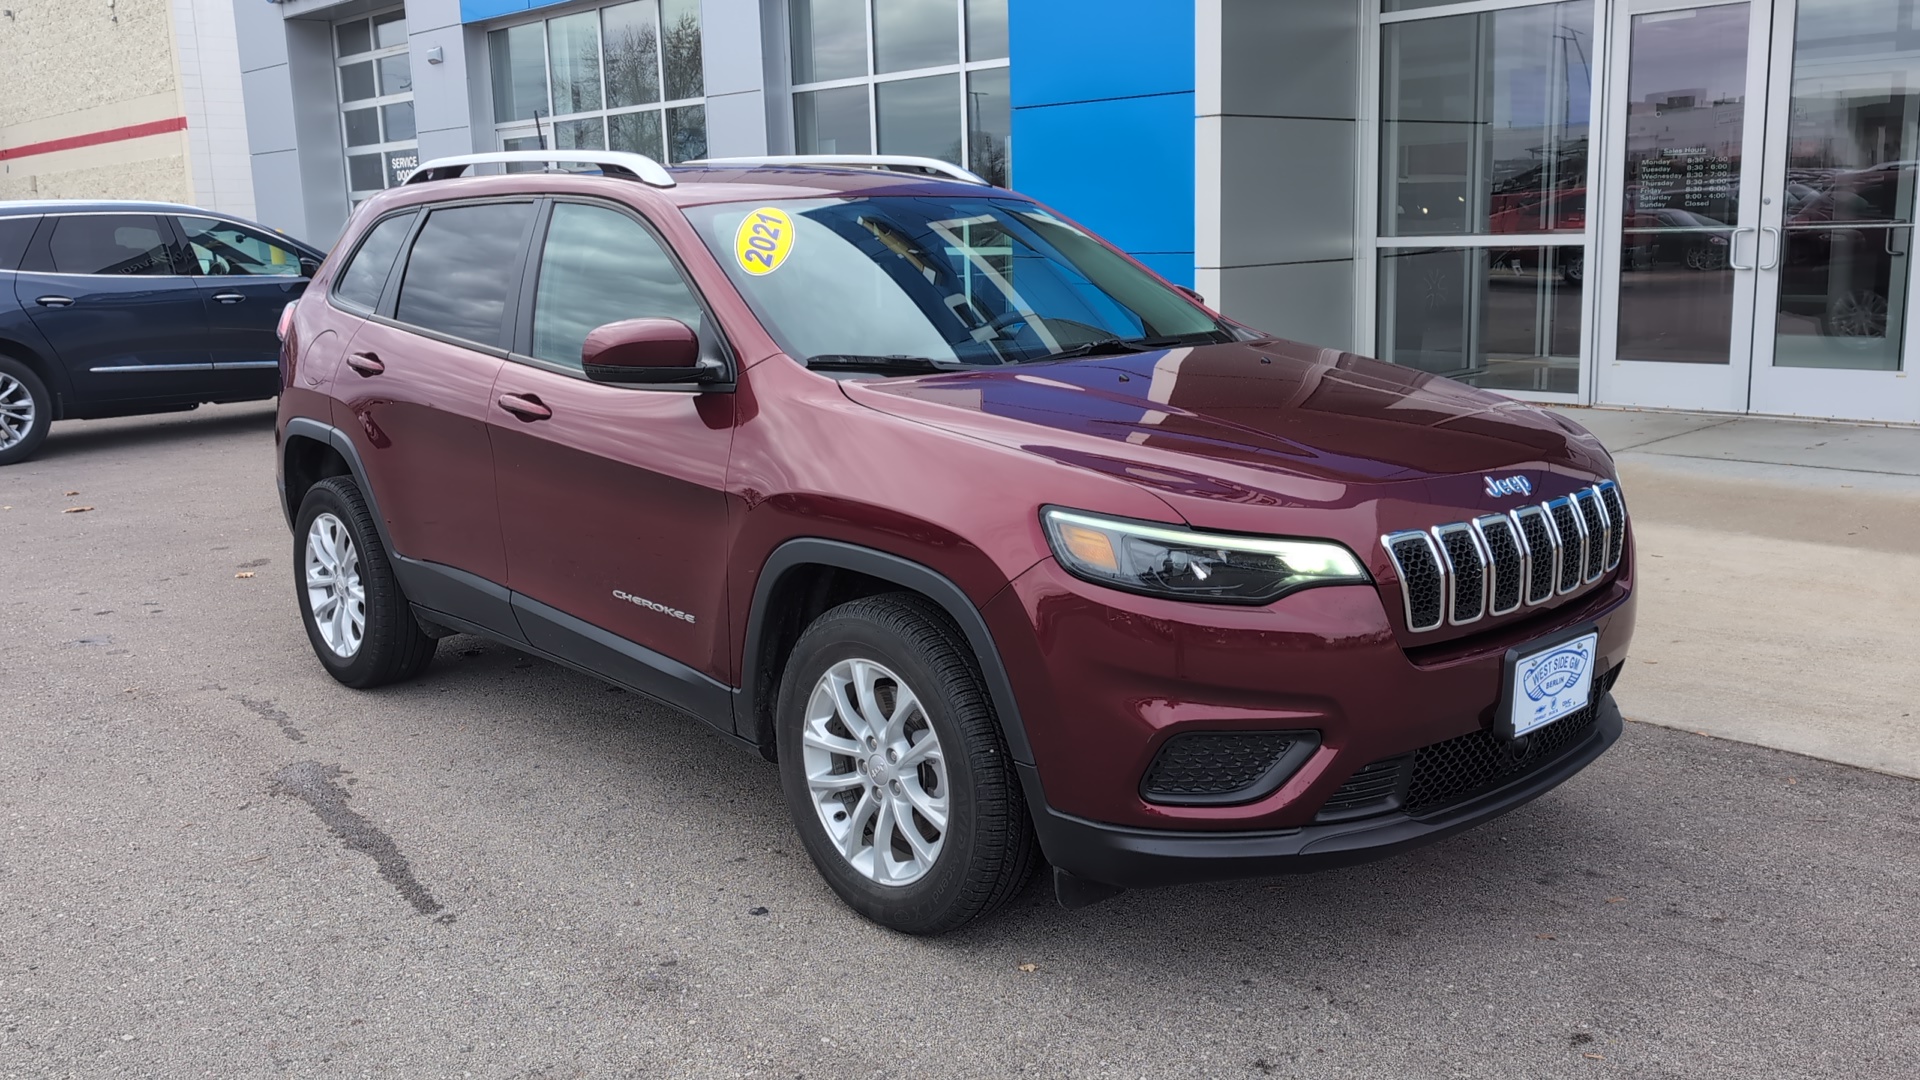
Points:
[(1498, 486)]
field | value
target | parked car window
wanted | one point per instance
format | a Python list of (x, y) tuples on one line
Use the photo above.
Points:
[(222, 249), (462, 268), (132, 244), (15, 232), (365, 277), (601, 266)]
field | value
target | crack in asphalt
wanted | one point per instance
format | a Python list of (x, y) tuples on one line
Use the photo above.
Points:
[(313, 784)]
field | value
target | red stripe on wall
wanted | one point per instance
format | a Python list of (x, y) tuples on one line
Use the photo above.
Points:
[(95, 138)]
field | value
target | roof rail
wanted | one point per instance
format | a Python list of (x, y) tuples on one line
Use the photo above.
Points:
[(612, 163), (924, 166)]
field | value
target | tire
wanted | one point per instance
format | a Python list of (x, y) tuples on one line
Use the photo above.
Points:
[(985, 852), (26, 411), (350, 568)]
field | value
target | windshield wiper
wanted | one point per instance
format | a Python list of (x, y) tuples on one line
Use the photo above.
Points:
[(1122, 346), (880, 365)]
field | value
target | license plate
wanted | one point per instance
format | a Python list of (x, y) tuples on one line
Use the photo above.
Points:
[(1551, 683)]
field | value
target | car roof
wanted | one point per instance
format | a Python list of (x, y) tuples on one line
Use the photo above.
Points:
[(22, 207)]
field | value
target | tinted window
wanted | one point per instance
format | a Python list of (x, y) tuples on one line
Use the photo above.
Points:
[(14, 234), (600, 266), (221, 248), (462, 267), (134, 244), (365, 278)]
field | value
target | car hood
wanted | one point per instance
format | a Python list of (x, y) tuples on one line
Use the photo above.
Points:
[(1224, 433)]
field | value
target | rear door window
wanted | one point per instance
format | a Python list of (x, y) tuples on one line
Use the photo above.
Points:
[(365, 276), (464, 266), (601, 266), (134, 245)]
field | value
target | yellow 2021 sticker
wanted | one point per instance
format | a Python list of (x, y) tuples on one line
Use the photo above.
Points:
[(763, 241)]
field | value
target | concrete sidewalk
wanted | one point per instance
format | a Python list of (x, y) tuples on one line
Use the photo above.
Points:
[(1779, 581)]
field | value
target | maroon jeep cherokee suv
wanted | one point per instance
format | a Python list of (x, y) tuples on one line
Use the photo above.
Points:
[(1002, 547)]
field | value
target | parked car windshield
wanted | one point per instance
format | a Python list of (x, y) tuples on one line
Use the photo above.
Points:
[(954, 281)]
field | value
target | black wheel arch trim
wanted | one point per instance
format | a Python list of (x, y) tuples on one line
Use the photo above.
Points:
[(302, 427), (905, 573)]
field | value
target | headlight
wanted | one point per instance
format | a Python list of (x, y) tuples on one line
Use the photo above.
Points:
[(1182, 564)]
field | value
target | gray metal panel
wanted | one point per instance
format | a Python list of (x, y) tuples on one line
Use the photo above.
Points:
[(730, 50), (1296, 58), (737, 125), (276, 194), (260, 33), (268, 96), (316, 122), (1287, 189), (1311, 302), (441, 106)]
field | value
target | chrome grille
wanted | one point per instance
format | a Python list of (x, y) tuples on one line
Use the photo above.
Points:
[(1495, 564)]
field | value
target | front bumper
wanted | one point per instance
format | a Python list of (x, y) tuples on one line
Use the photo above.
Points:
[(1139, 858)]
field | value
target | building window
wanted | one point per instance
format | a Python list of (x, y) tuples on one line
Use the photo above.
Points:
[(1481, 248), (625, 77), (376, 102), (923, 77)]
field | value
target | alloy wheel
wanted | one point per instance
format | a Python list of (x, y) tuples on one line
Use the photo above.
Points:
[(875, 772), (335, 593), (16, 411), (1861, 313)]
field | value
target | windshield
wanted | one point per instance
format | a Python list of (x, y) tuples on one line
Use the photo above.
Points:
[(954, 281)]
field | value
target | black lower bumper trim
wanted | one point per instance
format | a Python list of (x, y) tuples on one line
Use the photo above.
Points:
[(1142, 858)]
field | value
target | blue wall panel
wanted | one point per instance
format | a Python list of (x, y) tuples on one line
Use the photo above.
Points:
[(1103, 120), (476, 10)]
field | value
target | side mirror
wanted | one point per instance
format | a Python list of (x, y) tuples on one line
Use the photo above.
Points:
[(645, 351), (309, 267)]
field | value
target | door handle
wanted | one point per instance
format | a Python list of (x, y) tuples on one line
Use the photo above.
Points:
[(55, 301), (1733, 248), (366, 363), (1779, 241), (229, 297), (525, 406)]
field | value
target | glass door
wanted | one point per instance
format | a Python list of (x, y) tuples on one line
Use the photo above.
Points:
[(1831, 335), (1681, 228)]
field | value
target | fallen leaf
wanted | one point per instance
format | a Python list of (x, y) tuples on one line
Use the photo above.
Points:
[(1649, 661), (244, 574), (1594, 1057), (76, 509), (1029, 967), (71, 494), (1791, 780), (1546, 937), (1615, 899)]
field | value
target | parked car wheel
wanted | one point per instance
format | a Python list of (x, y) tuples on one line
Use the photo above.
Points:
[(26, 411), (1859, 315), (894, 769), (358, 620)]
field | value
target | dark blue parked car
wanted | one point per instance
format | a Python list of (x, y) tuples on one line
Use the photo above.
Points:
[(117, 308)]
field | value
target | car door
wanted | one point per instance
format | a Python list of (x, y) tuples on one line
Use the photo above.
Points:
[(415, 395), (111, 295), (245, 278), (612, 497)]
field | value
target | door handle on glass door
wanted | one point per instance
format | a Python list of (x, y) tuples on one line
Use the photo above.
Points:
[(1779, 241), (366, 363), (1733, 247), (55, 301), (229, 297), (525, 406)]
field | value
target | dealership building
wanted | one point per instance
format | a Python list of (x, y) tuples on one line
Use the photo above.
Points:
[(1688, 204)]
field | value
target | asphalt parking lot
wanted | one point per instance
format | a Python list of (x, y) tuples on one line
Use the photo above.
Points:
[(218, 862)]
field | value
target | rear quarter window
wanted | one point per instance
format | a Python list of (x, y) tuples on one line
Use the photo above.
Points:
[(365, 276), (15, 232)]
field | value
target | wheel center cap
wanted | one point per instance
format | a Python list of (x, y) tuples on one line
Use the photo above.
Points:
[(877, 768)]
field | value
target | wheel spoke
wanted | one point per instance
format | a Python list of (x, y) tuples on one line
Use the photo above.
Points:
[(931, 808), (857, 823), (927, 749), (844, 707), (922, 849), (821, 739), (866, 679), (835, 782), (883, 843)]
